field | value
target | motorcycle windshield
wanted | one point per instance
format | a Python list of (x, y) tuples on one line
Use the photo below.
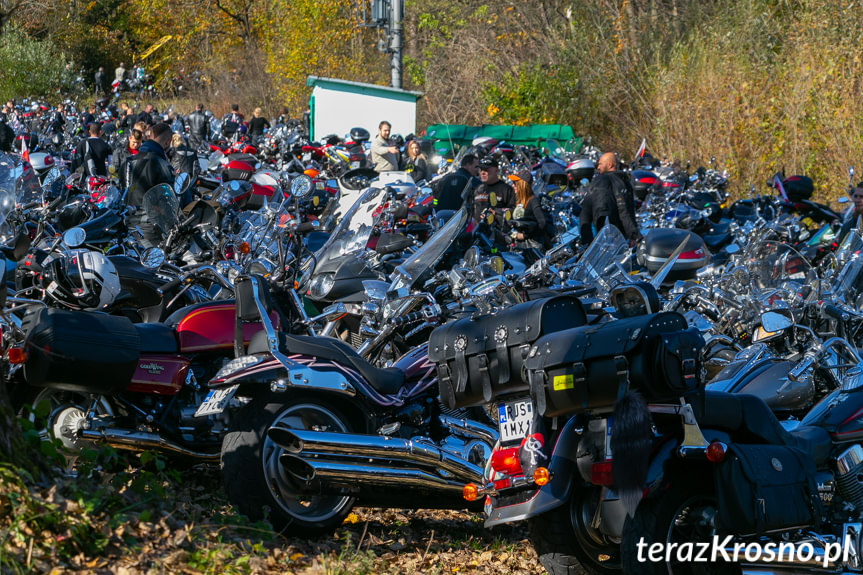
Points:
[(851, 245), (430, 253), (161, 207), (605, 263), (28, 190), (215, 160), (555, 150), (354, 230), (772, 265), (847, 284), (7, 186)]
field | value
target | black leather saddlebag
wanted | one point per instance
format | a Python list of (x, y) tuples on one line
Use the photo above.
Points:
[(80, 351), (481, 359), (766, 488), (589, 368)]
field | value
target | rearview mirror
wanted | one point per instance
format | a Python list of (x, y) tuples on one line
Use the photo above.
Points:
[(74, 237), (773, 322)]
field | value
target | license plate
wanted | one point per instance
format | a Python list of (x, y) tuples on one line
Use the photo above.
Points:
[(355, 165), (514, 420), (216, 401)]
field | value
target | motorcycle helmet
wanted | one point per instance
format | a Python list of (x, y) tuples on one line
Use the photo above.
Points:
[(57, 140), (360, 135), (397, 140), (81, 280), (580, 169)]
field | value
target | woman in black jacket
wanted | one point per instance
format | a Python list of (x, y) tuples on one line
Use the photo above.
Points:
[(528, 209), (415, 162)]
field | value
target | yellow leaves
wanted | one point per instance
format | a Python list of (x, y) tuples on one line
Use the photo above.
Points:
[(492, 110)]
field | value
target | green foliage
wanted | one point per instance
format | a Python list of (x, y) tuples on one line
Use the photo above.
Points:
[(30, 67)]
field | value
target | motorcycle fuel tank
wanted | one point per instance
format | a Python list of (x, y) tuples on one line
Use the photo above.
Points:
[(840, 413), (210, 326)]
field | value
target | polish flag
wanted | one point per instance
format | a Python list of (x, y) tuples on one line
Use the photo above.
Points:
[(25, 154)]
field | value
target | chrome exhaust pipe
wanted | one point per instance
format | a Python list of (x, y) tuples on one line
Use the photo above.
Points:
[(471, 429), (340, 445), (350, 475), (797, 554), (127, 440)]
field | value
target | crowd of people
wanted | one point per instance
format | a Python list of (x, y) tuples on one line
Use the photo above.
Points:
[(151, 153)]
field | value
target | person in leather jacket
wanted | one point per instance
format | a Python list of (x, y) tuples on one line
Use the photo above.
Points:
[(198, 126), (148, 168), (480, 198), (125, 150), (609, 197), (450, 191)]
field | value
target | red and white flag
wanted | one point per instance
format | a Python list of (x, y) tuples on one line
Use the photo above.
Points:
[(25, 154)]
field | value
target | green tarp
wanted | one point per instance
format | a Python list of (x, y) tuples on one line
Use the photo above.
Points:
[(530, 135)]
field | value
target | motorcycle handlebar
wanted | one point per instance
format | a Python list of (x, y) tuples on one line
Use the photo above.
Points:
[(170, 285)]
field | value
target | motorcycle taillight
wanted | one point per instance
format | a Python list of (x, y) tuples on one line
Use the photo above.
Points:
[(600, 473), (506, 461)]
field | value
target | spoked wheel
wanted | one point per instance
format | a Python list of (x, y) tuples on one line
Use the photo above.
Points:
[(567, 543), (681, 515), (258, 484)]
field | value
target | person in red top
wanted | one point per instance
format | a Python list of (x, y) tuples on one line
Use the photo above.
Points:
[(123, 153)]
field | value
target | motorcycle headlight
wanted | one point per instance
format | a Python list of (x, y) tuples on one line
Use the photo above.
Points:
[(321, 285)]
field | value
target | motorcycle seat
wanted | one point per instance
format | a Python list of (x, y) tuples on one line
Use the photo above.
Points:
[(386, 381), (745, 417), (815, 441), (156, 338)]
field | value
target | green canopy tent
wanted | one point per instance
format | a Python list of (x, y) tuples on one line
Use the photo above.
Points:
[(457, 135)]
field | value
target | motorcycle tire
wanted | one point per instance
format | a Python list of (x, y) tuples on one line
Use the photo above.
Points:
[(683, 514), (564, 545), (255, 481)]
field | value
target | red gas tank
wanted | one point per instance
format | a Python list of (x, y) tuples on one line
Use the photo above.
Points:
[(210, 327)]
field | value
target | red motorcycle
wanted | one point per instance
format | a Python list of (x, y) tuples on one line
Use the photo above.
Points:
[(132, 386)]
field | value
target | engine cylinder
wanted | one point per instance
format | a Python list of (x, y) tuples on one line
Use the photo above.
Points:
[(849, 475)]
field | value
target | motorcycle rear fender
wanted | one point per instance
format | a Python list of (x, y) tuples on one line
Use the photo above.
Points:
[(563, 469), (271, 375)]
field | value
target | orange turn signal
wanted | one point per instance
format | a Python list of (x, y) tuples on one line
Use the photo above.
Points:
[(244, 248), (541, 476), (470, 492)]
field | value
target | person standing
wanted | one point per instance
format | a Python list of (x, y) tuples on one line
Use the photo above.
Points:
[(149, 168), (415, 162), (127, 149), (609, 198), (450, 191), (492, 192), (384, 155), (198, 126), (258, 125), (92, 153), (99, 79), (120, 74)]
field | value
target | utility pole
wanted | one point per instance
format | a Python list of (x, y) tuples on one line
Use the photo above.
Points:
[(396, 44), (388, 15)]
